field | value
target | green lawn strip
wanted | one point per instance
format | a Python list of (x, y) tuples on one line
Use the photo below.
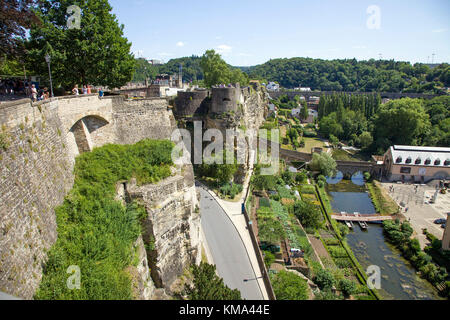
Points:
[(96, 232), (383, 205), (361, 275)]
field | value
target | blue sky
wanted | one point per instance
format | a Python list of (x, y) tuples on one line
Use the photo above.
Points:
[(250, 32)]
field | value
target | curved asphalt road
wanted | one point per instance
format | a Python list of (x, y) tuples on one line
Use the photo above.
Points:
[(227, 249)]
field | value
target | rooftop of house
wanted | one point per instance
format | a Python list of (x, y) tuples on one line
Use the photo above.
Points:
[(421, 156)]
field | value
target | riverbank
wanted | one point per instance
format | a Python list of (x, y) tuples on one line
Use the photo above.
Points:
[(383, 203), (399, 278), (327, 209)]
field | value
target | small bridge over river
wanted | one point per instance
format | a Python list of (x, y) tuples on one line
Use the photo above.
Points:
[(346, 167)]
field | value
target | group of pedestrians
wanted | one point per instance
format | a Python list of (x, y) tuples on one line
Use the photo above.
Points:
[(10, 86), (86, 89), (12, 89), (15, 88)]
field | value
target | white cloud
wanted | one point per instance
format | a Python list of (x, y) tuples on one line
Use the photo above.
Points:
[(223, 49), (180, 44), (439, 30)]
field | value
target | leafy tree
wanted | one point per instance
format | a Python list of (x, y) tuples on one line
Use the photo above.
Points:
[(96, 53), (288, 177), (289, 286), (217, 168), (308, 214), (216, 71), (301, 177), (324, 279), (16, 16), (401, 122), (144, 70), (304, 112), (264, 182), (208, 286), (365, 140), (324, 163), (192, 70), (329, 125), (334, 141), (347, 287)]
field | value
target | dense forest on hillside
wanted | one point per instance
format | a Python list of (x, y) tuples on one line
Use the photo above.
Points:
[(328, 75), (353, 75), (191, 69), (362, 121)]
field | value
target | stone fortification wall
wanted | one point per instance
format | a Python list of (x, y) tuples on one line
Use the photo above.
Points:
[(38, 145)]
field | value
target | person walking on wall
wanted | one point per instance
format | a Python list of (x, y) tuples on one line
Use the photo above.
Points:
[(75, 91), (34, 93), (85, 91)]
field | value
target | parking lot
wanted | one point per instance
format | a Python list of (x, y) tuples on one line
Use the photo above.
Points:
[(420, 213)]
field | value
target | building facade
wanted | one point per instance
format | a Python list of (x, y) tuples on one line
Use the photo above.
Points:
[(446, 238), (417, 164)]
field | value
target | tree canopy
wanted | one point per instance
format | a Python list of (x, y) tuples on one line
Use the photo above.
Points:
[(401, 122), (97, 53), (208, 286), (216, 71), (352, 75), (16, 16), (289, 286), (308, 214), (324, 163)]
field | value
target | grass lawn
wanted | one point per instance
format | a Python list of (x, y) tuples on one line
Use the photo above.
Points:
[(382, 201), (342, 155), (312, 143)]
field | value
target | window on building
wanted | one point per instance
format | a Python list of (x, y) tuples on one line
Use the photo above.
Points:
[(399, 160), (437, 162), (409, 160), (406, 170), (447, 162), (418, 161), (428, 161)]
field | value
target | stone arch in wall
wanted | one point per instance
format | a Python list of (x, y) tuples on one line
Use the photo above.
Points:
[(85, 131)]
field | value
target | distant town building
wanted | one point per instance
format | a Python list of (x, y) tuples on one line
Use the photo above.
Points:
[(417, 164), (301, 89), (272, 86), (446, 238), (156, 62), (295, 112)]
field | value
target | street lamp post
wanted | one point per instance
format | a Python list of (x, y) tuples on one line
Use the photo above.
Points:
[(48, 60)]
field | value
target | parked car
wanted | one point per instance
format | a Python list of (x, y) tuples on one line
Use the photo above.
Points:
[(443, 225), (440, 221)]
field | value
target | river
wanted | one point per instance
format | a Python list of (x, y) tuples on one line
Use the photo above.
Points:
[(399, 280)]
